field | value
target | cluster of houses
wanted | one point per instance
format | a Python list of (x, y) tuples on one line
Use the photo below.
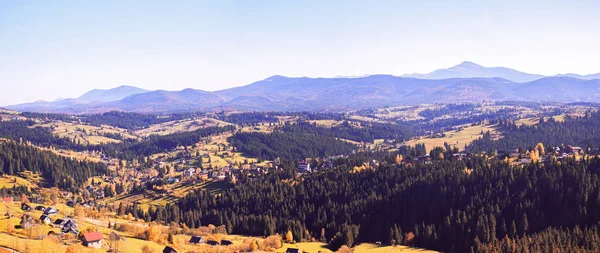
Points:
[(95, 190), (557, 153), (201, 240), (66, 225)]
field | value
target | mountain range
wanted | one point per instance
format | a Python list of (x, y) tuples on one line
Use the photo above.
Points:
[(466, 82)]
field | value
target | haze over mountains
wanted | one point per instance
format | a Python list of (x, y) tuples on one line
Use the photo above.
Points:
[(466, 82)]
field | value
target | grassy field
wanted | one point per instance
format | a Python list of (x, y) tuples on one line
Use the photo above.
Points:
[(535, 121), (181, 126), (10, 181), (402, 112), (455, 138), (315, 247), (85, 134)]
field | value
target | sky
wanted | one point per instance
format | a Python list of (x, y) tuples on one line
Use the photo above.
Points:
[(62, 49)]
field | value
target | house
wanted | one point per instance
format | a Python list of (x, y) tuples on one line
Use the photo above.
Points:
[(92, 240), (45, 219), (59, 223), (196, 240), (25, 207), (573, 150), (40, 208), (292, 250), (212, 243), (226, 242), (72, 230), (189, 172), (168, 249), (71, 203), (50, 211), (303, 167), (172, 180), (67, 225)]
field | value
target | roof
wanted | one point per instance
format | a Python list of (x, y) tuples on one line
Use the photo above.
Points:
[(195, 239), (58, 221), (291, 250), (43, 217), (168, 249), (92, 236)]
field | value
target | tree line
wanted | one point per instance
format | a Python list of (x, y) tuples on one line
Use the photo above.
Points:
[(288, 146), (56, 171), (473, 205)]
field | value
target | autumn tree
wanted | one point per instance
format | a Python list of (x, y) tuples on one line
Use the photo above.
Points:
[(399, 158), (540, 148), (289, 237)]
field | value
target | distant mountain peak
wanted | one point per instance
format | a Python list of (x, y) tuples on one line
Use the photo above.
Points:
[(468, 69), (469, 64), (114, 94)]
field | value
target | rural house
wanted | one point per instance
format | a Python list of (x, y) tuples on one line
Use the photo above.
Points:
[(25, 207), (189, 172), (303, 167), (168, 249), (92, 240), (291, 250), (45, 219), (226, 242), (196, 240), (50, 211), (40, 208)]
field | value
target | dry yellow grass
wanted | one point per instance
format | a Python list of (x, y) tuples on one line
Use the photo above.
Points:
[(372, 248), (455, 138), (10, 181), (314, 247)]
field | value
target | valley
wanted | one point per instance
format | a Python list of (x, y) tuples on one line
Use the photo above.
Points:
[(180, 175)]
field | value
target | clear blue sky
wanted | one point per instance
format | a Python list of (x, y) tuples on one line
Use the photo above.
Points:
[(53, 49)]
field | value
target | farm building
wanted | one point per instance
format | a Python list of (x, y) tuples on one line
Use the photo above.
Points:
[(92, 240)]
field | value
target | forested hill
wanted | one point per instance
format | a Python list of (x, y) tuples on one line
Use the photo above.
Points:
[(288, 146), (367, 132), (452, 206), (63, 172), (583, 132)]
